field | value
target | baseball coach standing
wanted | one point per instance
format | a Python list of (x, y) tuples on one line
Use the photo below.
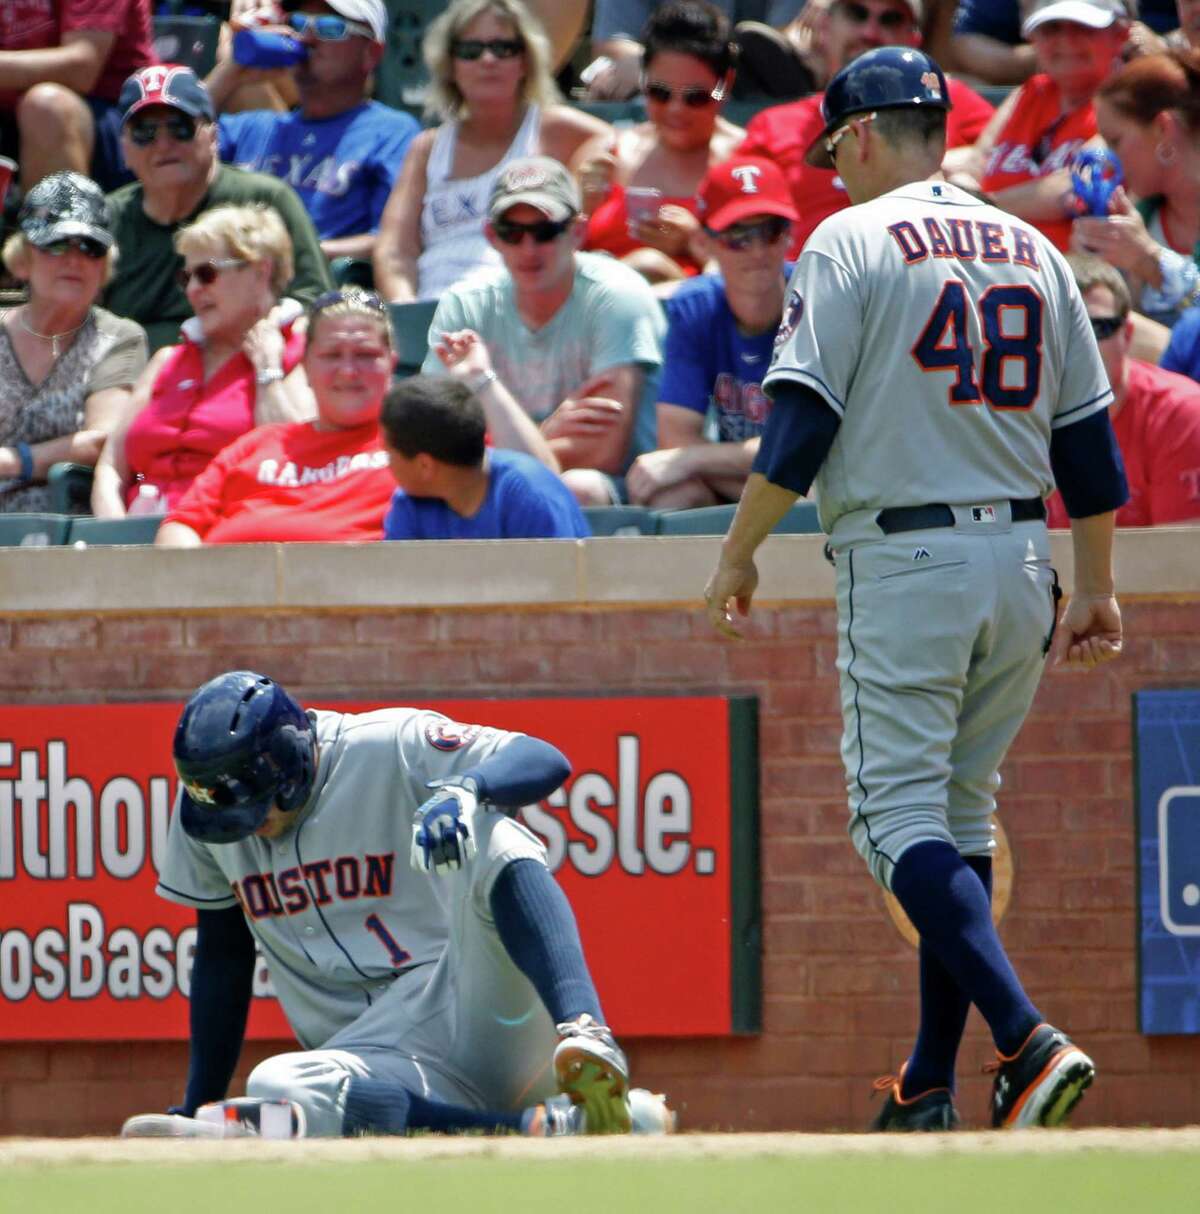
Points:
[(935, 374)]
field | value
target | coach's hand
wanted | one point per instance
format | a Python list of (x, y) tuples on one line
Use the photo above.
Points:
[(442, 839), (730, 587), (1088, 633)]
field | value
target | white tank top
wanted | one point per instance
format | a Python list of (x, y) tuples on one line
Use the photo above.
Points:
[(453, 210)]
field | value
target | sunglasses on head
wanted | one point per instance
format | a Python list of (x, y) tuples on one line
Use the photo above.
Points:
[(78, 244), (833, 140), (325, 27), (1105, 327), (695, 96), (859, 14), (354, 295), (144, 131), (543, 231), (740, 236), (206, 272), (501, 48)]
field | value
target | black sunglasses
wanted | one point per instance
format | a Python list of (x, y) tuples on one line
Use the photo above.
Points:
[(543, 231), (1105, 326), (859, 14), (693, 95), (740, 236), (501, 48), (206, 272), (354, 295), (79, 244), (144, 131)]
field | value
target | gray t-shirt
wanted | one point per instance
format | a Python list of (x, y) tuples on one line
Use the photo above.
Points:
[(611, 318)]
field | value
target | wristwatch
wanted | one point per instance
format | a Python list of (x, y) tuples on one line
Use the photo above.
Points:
[(271, 376), (482, 380)]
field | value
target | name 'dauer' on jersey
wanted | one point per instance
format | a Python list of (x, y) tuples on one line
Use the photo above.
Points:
[(964, 240)]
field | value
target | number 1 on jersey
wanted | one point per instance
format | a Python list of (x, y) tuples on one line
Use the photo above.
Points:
[(398, 956), (945, 345)]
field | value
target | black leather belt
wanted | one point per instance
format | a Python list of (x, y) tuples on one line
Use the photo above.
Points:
[(938, 514)]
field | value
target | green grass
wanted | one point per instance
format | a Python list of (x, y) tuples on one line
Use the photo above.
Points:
[(1090, 1182)]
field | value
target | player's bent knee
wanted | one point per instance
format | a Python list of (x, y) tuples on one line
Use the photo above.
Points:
[(882, 838), (311, 1081), (276, 1078)]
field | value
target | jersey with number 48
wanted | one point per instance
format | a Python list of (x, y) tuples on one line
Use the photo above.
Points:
[(950, 339)]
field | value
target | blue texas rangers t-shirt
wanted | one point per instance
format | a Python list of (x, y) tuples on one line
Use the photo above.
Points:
[(525, 500), (1183, 351), (342, 167), (707, 360)]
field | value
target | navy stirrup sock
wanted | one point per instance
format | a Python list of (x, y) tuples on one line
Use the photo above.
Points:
[(944, 1010), (952, 913), (537, 928), (379, 1106)]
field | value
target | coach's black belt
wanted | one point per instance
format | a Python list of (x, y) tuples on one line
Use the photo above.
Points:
[(938, 514)]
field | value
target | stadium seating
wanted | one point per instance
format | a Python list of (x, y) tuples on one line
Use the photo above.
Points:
[(410, 330), (136, 529), (33, 530), (70, 488), (401, 79), (621, 520), (181, 38), (715, 520)]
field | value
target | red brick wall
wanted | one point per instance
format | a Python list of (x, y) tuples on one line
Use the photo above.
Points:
[(839, 998)]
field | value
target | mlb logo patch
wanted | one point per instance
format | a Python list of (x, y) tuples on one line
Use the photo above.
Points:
[(983, 514)]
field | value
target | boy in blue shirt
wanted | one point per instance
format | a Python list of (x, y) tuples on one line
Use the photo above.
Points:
[(720, 335), (452, 486)]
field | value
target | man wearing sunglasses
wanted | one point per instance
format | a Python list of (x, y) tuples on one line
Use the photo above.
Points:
[(783, 133), (339, 150), (1155, 413), (574, 337), (169, 139), (720, 335)]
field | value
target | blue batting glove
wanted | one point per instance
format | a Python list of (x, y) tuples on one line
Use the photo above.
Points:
[(442, 839)]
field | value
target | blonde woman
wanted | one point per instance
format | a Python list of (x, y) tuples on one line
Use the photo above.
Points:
[(67, 367), (489, 61), (237, 366)]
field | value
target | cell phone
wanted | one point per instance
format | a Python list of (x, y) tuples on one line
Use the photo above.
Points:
[(642, 203)]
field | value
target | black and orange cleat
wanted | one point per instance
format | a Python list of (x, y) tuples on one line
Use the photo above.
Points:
[(1041, 1083)]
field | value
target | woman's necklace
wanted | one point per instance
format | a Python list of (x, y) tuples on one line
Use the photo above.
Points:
[(52, 338)]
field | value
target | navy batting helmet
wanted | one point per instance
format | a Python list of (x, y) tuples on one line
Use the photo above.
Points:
[(886, 78), (242, 745)]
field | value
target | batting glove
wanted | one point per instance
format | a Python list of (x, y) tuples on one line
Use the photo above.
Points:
[(442, 839)]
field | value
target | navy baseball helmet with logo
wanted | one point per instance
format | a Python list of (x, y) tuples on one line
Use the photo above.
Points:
[(242, 746), (886, 78)]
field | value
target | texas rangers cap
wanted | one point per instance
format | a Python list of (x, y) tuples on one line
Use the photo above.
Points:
[(1095, 14), (165, 84), (740, 188), (370, 12), (65, 204), (537, 181)]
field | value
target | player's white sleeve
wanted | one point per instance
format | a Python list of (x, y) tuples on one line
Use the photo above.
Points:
[(190, 874), (433, 747), (1084, 389), (818, 346)]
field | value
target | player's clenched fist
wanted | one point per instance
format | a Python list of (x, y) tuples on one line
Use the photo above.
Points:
[(442, 839)]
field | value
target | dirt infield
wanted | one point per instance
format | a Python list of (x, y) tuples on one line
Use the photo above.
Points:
[(35, 1152)]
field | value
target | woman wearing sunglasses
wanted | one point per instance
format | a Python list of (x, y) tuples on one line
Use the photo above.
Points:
[(639, 188), (489, 62), (236, 367), (66, 365), (321, 480)]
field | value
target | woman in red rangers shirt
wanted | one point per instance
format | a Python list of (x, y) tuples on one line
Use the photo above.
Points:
[(1023, 158)]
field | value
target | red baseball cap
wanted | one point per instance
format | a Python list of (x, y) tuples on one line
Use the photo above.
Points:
[(742, 187)]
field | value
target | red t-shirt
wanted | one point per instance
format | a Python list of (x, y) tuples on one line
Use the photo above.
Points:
[(188, 419), (27, 25), (1158, 431), (608, 227), (1037, 124), (784, 133), (291, 481)]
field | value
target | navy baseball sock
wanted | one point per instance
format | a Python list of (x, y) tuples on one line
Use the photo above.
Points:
[(537, 928), (953, 915), (944, 1009), (380, 1106)]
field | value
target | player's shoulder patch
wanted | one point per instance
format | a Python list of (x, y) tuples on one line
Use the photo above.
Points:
[(445, 734), (793, 310)]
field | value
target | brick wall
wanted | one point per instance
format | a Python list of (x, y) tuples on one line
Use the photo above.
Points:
[(840, 999)]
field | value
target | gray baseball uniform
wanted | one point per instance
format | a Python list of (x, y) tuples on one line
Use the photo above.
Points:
[(950, 339), (381, 970)]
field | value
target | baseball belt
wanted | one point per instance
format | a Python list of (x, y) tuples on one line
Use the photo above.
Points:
[(938, 514)]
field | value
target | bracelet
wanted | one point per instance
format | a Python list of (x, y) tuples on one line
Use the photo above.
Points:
[(271, 376), (25, 455), (482, 380)]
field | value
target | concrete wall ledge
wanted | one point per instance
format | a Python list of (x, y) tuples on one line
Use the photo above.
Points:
[(1151, 563)]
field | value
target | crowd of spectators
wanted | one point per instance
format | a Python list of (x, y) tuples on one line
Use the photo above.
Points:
[(607, 287)]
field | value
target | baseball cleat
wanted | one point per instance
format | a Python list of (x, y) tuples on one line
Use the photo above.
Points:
[(592, 1071), (930, 1111), (649, 1114), (167, 1125), (1042, 1082)]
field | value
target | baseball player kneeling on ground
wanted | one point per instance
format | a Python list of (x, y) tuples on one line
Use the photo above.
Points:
[(935, 373), (455, 997)]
